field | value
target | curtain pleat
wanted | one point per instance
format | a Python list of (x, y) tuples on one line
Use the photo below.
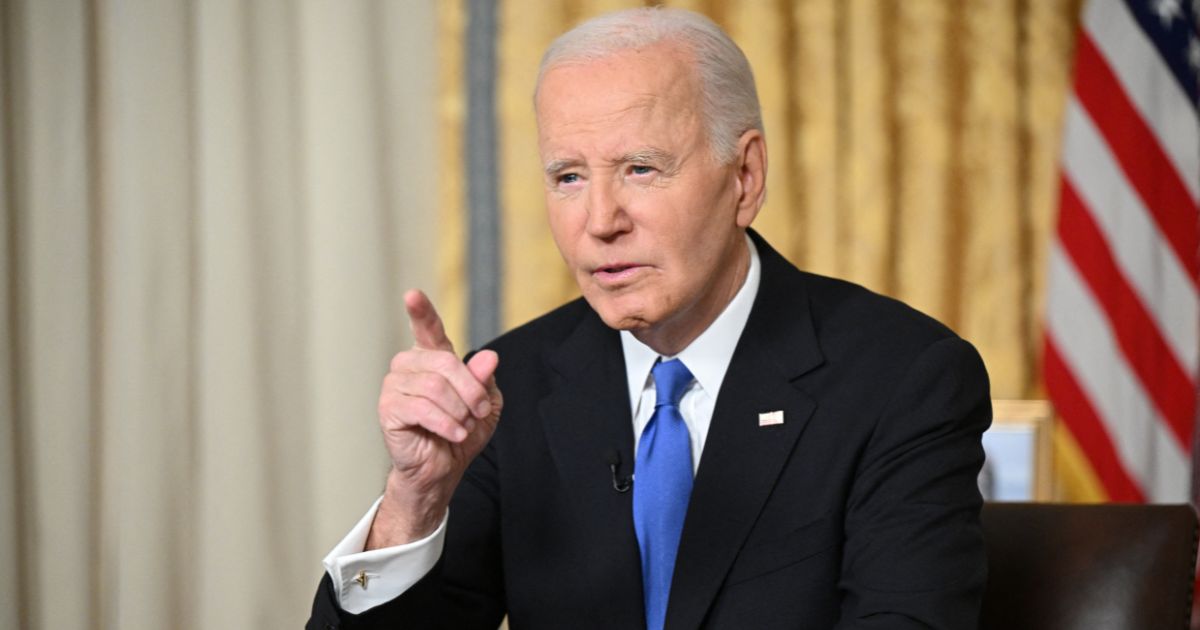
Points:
[(54, 358), (530, 259), (11, 599), (814, 129), (928, 195), (451, 115)]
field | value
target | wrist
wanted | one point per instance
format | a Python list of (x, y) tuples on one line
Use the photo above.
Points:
[(405, 515)]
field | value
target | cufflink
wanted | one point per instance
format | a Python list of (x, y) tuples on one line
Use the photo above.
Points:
[(361, 579)]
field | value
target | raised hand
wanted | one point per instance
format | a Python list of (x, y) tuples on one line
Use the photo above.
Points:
[(437, 413)]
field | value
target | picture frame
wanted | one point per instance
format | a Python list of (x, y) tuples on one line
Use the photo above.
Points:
[(1019, 452)]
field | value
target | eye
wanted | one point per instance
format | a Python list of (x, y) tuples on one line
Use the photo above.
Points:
[(641, 169), (568, 178)]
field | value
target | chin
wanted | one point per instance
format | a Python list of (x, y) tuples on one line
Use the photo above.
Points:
[(624, 321), (618, 316)]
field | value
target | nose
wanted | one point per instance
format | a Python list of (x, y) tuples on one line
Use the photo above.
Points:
[(607, 217)]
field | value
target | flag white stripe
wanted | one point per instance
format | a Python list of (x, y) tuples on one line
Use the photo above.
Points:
[(1139, 247), (1085, 339), (1150, 85), (1168, 479)]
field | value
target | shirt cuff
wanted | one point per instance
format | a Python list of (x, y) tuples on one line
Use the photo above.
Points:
[(365, 579)]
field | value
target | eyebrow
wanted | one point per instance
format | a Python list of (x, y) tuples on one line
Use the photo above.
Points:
[(648, 154), (557, 166)]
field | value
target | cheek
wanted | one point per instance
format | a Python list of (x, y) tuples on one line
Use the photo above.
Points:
[(562, 227), (693, 251), (687, 242)]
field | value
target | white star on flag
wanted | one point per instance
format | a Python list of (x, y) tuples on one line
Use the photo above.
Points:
[(1167, 10)]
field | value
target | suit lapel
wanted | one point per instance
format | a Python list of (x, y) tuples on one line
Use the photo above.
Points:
[(741, 459), (586, 415)]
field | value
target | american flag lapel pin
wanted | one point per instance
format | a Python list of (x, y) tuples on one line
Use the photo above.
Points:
[(770, 418)]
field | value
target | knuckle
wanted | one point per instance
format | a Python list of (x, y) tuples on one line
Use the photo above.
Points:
[(388, 408), (431, 383), (445, 362), (425, 412), (434, 418), (399, 360), (402, 410)]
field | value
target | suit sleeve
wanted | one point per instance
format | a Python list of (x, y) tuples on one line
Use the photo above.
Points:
[(914, 552), (463, 590)]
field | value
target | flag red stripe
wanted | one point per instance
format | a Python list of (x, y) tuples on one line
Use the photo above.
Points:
[(1164, 380), (1148, 168), (1083, 422)]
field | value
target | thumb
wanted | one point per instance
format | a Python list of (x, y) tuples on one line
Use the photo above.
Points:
[(483, 366)]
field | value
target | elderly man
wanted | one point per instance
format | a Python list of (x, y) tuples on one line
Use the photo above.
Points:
[(805, 451)]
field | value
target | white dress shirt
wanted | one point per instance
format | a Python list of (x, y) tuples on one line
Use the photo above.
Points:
[(391, 571)]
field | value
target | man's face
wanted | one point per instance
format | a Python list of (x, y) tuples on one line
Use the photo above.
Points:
[(644, 215)]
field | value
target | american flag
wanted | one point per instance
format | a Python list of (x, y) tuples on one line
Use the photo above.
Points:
[(1122, 340)]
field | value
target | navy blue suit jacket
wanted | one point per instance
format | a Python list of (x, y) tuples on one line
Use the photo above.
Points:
[(861, 510)]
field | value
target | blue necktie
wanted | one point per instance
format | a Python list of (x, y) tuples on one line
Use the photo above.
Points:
[(661, 488)]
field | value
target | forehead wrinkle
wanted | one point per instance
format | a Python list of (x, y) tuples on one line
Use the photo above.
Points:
[(647, 109), (641, 103)]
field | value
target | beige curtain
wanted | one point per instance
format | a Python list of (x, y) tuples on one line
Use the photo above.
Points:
[(209, 212), (913, 147)]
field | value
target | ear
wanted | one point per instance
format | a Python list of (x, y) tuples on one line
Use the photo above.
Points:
[(751, 165)]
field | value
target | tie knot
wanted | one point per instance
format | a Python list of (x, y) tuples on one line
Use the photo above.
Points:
[(671, 378)]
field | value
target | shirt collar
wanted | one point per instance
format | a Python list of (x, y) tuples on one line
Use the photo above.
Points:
[(708, 356)]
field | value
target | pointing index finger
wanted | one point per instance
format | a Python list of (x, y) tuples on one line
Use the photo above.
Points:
[(427, 329)]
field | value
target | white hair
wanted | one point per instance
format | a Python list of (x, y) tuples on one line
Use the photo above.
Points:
[(730, 106)]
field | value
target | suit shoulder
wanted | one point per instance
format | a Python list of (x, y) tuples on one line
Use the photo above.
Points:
[(872, 344), (850, 316)]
